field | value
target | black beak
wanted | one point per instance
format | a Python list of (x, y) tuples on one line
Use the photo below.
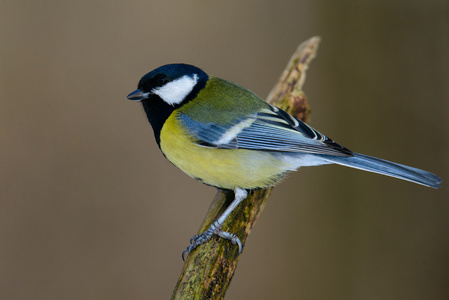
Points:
[(137, 95)]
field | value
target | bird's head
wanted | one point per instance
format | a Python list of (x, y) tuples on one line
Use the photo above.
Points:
[(174, 84)]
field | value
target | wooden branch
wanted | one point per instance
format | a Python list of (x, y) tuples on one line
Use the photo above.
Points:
[(209, 269)]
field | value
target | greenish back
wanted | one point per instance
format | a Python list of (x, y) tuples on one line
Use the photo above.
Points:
[(227, 100)]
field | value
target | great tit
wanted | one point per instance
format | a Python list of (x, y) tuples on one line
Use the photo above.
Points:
[(224, 135)]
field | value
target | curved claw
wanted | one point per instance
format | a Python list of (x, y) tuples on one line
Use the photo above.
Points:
[(187, 250), (233, 238), (197, 240), (236, 240)]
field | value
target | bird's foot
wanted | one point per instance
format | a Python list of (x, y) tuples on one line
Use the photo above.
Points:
[(202, 238)]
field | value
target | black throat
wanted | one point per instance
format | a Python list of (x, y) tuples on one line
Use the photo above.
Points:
[(157, 112)]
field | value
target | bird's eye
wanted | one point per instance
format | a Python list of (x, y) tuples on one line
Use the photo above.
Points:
[(162, 80)]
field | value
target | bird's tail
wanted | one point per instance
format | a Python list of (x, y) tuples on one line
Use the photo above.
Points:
[(377, 165)]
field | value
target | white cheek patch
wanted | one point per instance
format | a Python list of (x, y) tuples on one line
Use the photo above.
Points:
[(174, 92)]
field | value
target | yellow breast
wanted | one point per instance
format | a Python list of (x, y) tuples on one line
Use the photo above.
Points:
[(223, 168)]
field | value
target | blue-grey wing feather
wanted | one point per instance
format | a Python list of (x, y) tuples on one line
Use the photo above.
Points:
[(270, 129)]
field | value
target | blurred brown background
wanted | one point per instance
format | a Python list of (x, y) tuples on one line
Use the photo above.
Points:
[(90, 209)]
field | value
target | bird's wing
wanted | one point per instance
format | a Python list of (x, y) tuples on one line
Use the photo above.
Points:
[(269, 129)]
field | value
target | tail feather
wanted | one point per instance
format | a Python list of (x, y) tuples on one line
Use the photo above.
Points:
[(377, 165)]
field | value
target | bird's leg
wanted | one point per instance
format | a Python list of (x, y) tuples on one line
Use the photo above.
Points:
[(215, 228)]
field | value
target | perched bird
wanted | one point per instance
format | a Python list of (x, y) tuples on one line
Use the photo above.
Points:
[(225, 136)]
